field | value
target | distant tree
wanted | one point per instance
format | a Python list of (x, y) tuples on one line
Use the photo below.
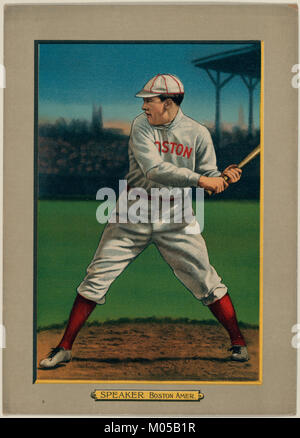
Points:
[(79, 132)]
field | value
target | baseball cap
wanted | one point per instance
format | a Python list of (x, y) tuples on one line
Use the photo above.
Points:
[(162, 84)]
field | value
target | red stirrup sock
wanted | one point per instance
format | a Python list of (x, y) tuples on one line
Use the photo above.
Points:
[(224, 311), (80, 312)]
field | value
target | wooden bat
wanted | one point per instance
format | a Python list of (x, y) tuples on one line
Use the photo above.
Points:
[(245, 161)]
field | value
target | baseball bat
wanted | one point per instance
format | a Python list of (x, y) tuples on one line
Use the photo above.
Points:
[(245, 161)]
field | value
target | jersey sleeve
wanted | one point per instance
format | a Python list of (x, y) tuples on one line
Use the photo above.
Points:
[(206, 161), (142, 144)]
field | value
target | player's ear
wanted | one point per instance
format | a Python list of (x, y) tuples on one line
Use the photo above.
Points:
[(167, 103)]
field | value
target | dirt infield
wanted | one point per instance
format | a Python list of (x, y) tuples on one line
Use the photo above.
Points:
[(151, 350)]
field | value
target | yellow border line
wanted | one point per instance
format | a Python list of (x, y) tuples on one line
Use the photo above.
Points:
[(261, 208), (152, 382), (261, 228)]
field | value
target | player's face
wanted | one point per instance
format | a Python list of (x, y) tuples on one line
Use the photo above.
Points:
[(155, 110)]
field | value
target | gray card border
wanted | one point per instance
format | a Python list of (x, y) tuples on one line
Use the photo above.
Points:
[(277, 27)]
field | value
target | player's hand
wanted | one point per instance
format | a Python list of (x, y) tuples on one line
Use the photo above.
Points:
[(233, 173), (215, 184)]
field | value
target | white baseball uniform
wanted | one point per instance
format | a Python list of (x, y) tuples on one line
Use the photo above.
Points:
[(173, 155)]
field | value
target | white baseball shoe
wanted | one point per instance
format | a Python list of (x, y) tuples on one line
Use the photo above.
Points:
[(239, 353), (57, 355)]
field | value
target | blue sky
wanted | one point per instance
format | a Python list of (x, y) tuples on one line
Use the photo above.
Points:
[(72, 77)]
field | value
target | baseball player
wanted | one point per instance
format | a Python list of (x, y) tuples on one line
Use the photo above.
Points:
[(166, 149)]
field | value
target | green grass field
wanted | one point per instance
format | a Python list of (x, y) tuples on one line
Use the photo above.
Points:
[(68, 235)]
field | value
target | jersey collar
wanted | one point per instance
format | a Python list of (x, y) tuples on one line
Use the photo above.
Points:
[(171, 125)]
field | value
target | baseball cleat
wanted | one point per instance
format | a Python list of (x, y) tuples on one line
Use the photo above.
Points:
[(239, 353), (57, 355)]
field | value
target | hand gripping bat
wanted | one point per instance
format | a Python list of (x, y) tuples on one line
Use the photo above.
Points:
[(245, 161)]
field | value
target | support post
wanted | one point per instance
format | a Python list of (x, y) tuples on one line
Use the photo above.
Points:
[(218, 86), (250, 84)]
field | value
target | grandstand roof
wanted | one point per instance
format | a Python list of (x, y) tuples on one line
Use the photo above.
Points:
[(245, 61)]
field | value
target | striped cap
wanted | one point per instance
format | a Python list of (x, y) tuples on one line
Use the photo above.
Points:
[(162, 84)]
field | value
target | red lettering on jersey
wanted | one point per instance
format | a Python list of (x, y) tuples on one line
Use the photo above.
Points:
[(187, 152), (179, 149), (166, 149), (173, 144), (159, 145)]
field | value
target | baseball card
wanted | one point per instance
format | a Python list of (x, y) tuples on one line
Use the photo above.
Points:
[(150, 210)]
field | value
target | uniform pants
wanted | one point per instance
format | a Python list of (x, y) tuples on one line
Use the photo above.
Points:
[(186, 254)]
